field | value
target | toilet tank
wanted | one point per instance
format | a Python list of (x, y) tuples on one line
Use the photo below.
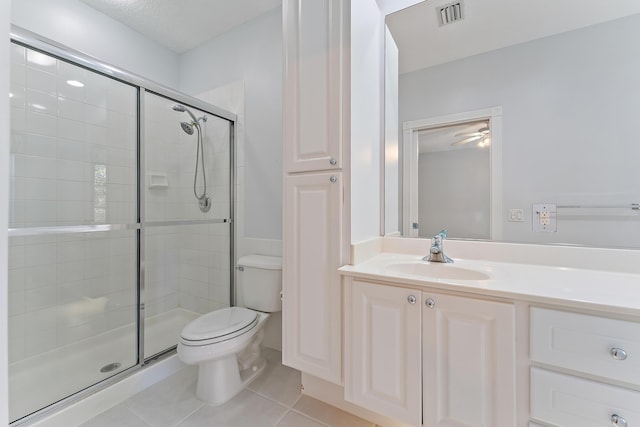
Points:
[(260, 281)]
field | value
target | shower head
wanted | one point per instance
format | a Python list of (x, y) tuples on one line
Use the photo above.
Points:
[(182, 109), (187, 127)]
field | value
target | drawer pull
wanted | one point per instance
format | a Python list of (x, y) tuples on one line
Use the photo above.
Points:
[(618, 421), (618, 354)]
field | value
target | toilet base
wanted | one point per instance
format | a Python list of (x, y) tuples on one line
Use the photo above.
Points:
[(221, 379)]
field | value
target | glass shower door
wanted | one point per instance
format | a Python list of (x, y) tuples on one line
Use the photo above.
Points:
[(73, 229), (186, 249)]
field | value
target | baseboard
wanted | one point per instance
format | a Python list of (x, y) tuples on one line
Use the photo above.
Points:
[(334, 395)]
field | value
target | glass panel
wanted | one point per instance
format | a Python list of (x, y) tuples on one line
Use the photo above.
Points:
[(186, 274), (187, 269), (72, 296)]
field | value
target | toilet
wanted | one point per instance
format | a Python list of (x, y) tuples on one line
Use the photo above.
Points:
[(225, 344)]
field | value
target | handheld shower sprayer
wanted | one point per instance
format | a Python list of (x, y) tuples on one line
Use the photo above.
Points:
[(203, 199)]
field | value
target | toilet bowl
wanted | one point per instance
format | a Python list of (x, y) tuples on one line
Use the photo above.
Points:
[(225, 343)]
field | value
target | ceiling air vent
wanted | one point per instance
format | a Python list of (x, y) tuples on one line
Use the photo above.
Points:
[(449, 13)]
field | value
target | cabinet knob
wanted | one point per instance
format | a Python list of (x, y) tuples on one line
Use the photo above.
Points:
[(618, 354), (618, 421), (332, 161), (430, 302), (333, 178), (411, 299)]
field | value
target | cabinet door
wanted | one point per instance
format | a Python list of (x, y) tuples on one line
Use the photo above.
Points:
[(383, 366), (316, 84), (312, 303), (468, 362)]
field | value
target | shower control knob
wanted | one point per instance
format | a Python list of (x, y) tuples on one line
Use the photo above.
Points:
[(332, 161), (333, 178)]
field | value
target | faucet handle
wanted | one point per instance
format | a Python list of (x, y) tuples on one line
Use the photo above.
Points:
[(443, 233)]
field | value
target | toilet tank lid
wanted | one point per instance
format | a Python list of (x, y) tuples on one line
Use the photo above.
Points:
[(261, 261)]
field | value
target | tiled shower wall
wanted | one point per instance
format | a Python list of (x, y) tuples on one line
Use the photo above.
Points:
[(187, 265), (73, 162)]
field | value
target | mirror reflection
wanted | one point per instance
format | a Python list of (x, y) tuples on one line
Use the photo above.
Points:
[(560, 98)]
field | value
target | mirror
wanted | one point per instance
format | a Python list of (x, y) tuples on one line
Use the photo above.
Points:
[(559, 94)]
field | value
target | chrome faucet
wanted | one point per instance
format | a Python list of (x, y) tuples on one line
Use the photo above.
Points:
[(436, 253)]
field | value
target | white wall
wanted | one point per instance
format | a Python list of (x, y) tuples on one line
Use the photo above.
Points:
[(567, 128), (80, 27), (367, 62), (251, 52), (391, 134), (4, 211)]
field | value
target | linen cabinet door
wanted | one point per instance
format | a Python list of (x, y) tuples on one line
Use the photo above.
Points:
[(468, 362), (316, 84), (383, 340), (312, 303)]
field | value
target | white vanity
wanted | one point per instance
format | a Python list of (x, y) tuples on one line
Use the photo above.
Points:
[(503, 337)]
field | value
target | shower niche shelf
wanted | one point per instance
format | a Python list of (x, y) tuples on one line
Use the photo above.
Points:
[(158, 180)]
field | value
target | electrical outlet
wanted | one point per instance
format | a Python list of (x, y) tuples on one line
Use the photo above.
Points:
[(544, 218)]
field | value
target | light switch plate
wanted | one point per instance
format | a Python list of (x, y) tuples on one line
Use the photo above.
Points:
[(516, 215), (544, 218)]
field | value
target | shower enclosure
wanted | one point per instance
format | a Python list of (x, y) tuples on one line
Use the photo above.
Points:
[(110, 252)]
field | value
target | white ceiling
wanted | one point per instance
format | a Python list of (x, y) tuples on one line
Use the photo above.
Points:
[(492, 24), (181, 25)]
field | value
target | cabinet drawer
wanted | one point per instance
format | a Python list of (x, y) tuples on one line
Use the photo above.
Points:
[(594, 345), (564, 400)]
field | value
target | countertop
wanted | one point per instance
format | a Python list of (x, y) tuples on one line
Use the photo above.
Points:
[(572, 287)]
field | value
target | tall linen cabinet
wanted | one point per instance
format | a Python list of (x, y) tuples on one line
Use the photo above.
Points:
[(316, 233)]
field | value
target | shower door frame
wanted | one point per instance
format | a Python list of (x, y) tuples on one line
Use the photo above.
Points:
[(30, 40)]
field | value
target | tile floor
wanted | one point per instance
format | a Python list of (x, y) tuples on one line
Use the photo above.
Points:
[(272, 400)]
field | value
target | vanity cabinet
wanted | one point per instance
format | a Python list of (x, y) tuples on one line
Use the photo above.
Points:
[(429, 359), (586, 369), (383, 346)]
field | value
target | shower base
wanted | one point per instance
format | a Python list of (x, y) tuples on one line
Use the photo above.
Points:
[(44, 379)]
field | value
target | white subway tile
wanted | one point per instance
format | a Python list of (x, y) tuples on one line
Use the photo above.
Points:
[(41, 167), (70, 109), (41, 102), (18, 123), (41, 145), (18, 95), (41, 124), (70, 170), (40, 189), (40, 298), (71, 129), (42, 81), (95, 115), (41, 61)]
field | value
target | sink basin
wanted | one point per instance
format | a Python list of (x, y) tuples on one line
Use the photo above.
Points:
[(436, 270)]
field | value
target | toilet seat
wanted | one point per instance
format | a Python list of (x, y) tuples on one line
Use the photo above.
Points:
[(219, 325)]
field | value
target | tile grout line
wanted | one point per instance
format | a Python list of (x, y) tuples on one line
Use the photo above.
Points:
[(182, 420), (282, 417)]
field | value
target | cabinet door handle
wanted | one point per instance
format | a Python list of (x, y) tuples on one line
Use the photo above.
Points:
[(333, 161), (333, 179), (430, 302), (411, 299), (618, 354), (618, 421)]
